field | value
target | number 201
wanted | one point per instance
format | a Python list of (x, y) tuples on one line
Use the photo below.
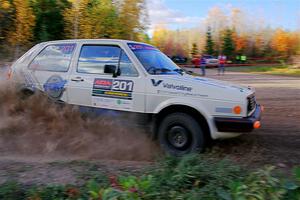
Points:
[(123, 85)]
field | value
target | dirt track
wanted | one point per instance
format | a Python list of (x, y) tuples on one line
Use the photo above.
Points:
[(276, 143)]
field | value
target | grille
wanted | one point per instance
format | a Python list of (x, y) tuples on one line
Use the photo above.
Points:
[(251, 104)]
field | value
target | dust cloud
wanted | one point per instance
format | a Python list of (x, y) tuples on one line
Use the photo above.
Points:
[(36, 126)]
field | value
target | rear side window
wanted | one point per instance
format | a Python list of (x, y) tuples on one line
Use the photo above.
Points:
[(93, 58), (55, 57)]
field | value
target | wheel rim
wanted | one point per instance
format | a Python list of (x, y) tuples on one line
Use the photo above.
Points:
[(178, 137)]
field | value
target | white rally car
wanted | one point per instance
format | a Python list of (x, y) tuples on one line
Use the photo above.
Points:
[(182, 111)]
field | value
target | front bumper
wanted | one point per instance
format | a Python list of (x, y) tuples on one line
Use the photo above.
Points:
[(238, 125)]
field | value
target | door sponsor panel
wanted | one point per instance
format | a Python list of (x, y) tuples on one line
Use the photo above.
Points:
[(112, 93)]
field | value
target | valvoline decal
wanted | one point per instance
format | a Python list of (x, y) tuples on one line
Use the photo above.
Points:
[(55, 86)]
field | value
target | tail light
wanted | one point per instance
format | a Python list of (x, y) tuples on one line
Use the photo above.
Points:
[(9, 74)]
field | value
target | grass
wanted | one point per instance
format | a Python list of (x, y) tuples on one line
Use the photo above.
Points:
[(190, 177), (275, 70)]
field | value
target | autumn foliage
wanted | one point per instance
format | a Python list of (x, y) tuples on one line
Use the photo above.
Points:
[(24, 23), (247, 36)]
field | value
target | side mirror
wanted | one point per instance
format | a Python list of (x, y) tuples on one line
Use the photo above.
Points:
[(110, 69)]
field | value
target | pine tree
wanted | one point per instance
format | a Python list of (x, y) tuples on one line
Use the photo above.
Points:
[(6, 25), (195, 50), (228, 46), (209, 47), (49, 19), (6, 19), (24, 22)]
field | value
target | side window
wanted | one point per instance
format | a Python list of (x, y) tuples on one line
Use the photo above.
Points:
[(93, 58), (56, 57), (126, 66)]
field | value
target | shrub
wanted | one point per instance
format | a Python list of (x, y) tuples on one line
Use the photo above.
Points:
[(190, 177)]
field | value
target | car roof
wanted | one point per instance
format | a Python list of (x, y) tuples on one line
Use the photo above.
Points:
[(93, 40)]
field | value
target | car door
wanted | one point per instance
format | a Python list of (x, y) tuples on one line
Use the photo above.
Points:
[(89, 84), (48, 71)]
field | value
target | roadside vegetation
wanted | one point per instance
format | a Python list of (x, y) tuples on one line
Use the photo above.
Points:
[(275, 70), (189, 177)]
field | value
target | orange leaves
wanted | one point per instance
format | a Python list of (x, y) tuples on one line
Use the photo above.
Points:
[(280, 40), (171, 42), (240, 42), (285, 42)]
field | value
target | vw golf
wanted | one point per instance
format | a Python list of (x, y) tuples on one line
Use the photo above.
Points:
[(181, 110)]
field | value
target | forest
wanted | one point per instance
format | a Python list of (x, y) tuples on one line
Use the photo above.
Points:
[(24, 23)]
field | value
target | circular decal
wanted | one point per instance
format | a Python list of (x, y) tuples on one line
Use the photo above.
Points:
[(55, 86)]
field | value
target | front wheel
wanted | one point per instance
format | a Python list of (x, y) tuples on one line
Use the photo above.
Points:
[(180, 134)]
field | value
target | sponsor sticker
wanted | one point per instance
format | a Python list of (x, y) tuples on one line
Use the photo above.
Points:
[(156, 83), (136, 47), (113, 88), (119, 104), (104, 84), (55, 86), (180, 93), (112, 93), (223, 110)]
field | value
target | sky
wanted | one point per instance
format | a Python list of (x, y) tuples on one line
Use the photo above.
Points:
[(178, 14)]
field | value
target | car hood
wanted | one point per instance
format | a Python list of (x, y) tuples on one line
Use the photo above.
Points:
[(195, 86)]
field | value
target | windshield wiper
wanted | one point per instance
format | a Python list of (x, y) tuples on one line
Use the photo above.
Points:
[(180, 71), (155, 70)]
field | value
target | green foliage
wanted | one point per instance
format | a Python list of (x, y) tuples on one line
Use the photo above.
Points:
[(258, 185), (209, 47), (277, 70), (24, 23), (49, 19), (195, 50), (190, 177), (228, 44), (48, 193), (11, 190)]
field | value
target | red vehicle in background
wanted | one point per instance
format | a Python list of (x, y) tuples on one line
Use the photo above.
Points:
[(196, 61)]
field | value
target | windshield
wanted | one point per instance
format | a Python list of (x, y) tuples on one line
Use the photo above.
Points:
[(153, 60)]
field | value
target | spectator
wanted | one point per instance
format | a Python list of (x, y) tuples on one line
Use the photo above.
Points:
[(203, 65), (222, 61), (196, 61)]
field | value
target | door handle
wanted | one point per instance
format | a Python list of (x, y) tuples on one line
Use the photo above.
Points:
[(77, 79)]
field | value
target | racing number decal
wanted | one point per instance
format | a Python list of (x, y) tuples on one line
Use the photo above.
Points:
[(122, 85), (120, 89)]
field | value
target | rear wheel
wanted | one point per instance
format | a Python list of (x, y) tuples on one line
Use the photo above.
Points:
[(180, 134), (26, 93)]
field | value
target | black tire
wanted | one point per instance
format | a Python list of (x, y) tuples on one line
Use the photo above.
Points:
[(186, 128), (26, 93)]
